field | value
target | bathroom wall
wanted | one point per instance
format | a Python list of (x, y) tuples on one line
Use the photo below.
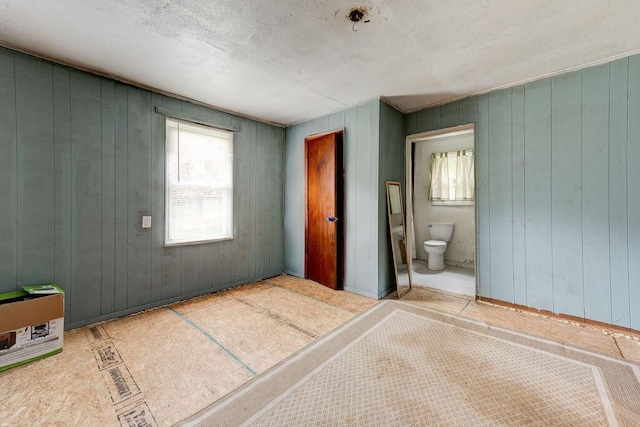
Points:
[(460, 251), (558, 204), (82, 159)]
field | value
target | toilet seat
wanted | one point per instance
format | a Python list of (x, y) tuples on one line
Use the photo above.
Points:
[(435, 243)]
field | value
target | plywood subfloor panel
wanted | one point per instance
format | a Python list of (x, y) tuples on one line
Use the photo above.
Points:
[(308, 313), (261, 345), (347, 300), (437, 300), (173, 363), (219, 297), (65, 389), (584, 336), (161, 366), (589, 338), (629, 348)]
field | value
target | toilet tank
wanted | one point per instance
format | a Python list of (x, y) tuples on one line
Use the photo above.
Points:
[(441, 231)]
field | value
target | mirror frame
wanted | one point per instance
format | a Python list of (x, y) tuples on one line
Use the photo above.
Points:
[(388, 185)]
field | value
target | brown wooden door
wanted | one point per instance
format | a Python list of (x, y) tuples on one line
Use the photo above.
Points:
[(325, 220)]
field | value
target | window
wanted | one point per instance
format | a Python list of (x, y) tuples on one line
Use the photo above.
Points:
[(199, 183), (452, 178)]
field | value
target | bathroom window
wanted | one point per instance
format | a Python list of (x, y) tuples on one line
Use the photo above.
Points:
[(199, 183), (452, 178)]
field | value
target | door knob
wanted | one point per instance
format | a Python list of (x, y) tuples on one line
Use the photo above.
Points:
[(332, 218)]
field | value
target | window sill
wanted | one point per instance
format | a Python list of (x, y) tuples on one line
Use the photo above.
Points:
[(196, 242), (452, 203)]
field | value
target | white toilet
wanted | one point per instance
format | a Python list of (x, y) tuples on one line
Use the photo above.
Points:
[(441, 233)]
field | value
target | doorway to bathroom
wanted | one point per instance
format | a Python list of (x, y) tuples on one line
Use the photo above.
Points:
[(441, 195)]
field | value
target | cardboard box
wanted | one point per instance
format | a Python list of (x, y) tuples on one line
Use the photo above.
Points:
[(31, 324)]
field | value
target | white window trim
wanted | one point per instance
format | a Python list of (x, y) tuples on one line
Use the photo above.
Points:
[(452, 202), (168, 243)]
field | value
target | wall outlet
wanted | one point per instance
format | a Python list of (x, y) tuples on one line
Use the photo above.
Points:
[(146, 222)]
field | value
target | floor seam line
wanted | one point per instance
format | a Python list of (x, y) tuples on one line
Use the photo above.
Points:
[(280, 319), (185, 302), (215, 341), (440, 292), (464, 308), (617, 346)]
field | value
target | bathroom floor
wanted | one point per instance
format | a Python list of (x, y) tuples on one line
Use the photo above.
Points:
[(163, 365), (452, 279)]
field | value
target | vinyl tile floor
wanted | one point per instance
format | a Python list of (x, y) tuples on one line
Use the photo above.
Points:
[(163, 365), (453, 279)]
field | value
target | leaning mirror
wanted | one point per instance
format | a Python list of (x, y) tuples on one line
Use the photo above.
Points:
[(397, 234)]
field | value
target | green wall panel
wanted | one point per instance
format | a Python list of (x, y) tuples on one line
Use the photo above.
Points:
[(633, 195), (566, 198), (82, 160), (363, 167), (392, 144), (500, 196), (35, 170), (8, 174), (517, 194), (595, 193), (558, 214), (618, 188), (537, 193), (86, 198)]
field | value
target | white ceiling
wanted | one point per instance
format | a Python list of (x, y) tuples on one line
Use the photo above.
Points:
[(287, 61)]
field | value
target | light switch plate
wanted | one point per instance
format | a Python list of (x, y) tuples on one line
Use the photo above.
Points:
[(146, 222)]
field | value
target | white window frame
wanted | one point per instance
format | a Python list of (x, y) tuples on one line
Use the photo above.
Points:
[(172, 179)]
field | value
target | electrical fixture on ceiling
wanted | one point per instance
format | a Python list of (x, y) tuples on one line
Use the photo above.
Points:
[(357, 14)]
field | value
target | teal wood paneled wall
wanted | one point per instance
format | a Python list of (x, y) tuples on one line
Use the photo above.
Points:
[(82, 159), (373, 153), (558, 211), (392, 142), (361, 163)]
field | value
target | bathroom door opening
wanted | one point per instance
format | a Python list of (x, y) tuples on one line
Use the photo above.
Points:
[(423, 209)]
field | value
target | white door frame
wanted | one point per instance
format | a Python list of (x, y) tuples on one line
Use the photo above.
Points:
[(408, 149)]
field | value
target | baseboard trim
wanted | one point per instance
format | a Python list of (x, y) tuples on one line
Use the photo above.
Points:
[(359, 292), (293, 273), (561, 316), (386, 292)]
